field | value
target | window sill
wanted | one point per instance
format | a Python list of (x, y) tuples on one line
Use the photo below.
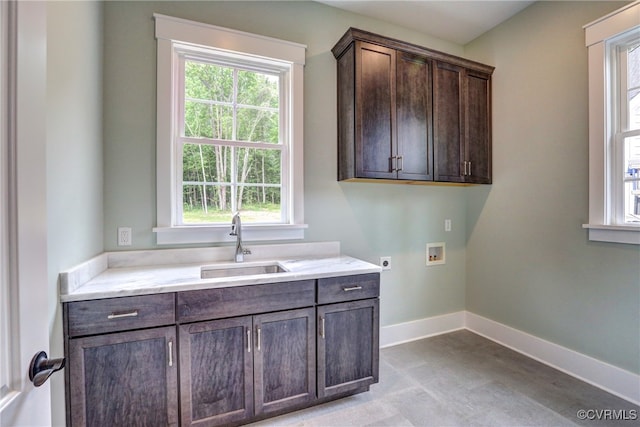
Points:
[(628, 234), (220, 233)]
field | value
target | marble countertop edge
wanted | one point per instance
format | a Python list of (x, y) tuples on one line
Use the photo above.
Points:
[(127, 273)]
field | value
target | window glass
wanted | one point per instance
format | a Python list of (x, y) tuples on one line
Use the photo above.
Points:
[(632, 180), (628, 203), (633, 86), (227, 107)]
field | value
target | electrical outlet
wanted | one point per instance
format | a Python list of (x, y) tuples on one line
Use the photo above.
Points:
[(447, 225), (124, 236), (385, 262)]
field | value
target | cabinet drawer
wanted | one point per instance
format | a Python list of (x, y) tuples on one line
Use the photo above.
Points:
[(208, 304), (348, 288), (120, 314)]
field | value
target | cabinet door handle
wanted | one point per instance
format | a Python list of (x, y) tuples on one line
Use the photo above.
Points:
[(322, 327), (399, 163), (259, 340), (248, 340), (469, 168), (392, 166), (133, 313), (170, 353), (465, 173), (352, 288)]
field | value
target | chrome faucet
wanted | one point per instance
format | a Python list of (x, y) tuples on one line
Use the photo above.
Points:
[(236, 230)]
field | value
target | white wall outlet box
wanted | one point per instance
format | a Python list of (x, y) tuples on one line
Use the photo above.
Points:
[(436, 253), (124, 236), (385, 262)]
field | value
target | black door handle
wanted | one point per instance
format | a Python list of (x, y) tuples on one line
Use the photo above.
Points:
[(41, 368)]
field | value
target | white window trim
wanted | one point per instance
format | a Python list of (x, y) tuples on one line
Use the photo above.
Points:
[(597, 33), (170, 30)]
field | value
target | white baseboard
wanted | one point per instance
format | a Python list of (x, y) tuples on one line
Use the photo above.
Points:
[(612, 379), (423, 328)]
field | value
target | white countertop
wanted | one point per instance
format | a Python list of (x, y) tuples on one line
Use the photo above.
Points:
[(118, 274)]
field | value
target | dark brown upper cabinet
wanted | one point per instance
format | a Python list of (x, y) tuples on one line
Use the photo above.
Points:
[(408, 113), (461, 124)]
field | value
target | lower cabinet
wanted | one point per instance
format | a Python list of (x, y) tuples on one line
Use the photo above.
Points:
[(235, 368), (284, 359), (222, 357), (348, 346), (124, 378)]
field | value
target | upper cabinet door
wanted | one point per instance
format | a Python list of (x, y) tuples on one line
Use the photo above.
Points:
[(478, 127), (448, 122), (413, 117), (375, 104), (462, 124)]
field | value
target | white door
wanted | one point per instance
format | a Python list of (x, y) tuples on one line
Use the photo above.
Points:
[(24, 324)]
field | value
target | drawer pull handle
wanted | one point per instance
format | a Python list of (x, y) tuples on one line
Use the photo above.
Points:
[(121, 315), (353, 288), (170, 353), (322, 327), (259, 333)]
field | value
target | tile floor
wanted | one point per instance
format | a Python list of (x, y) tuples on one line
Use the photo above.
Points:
[(462, 379)]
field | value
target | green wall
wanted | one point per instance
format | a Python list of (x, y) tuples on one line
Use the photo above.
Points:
[(74, 155), (517, 253), (529, 262), (370, 220)]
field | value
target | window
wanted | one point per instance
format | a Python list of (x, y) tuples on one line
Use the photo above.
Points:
[(229, 134), (627, 137), (230, 144), (614, 126)]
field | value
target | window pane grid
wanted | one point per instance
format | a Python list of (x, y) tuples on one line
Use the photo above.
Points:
[(230, 143), (229, 104), (214, 186), (232, 151), (624, 156)]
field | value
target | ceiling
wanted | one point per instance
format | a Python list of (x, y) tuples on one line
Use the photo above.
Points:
[(454, 21)]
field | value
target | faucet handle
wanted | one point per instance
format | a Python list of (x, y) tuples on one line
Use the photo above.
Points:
[(235, 221)]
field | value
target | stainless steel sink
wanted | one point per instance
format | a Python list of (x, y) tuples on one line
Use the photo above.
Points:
[(213, 271)]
